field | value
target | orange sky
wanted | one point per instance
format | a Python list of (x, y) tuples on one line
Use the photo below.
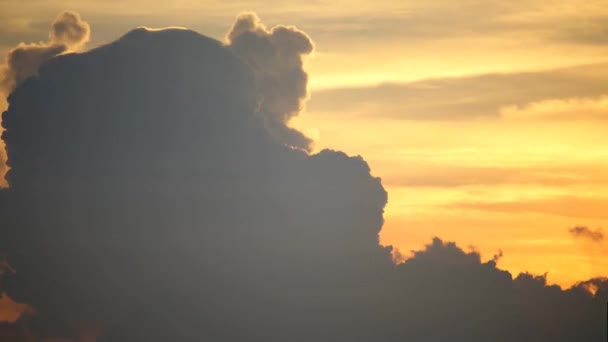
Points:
[(515, 187), (485, 120)]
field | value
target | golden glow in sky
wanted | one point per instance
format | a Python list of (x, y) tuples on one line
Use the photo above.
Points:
[(485, 120)]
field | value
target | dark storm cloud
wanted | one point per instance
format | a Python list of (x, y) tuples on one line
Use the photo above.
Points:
[(276, 57), (587, 233), (147, 201), (157, 186), (463, 98)]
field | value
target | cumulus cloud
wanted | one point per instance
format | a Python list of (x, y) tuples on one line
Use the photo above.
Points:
[(277, 57), (68, 33), (149, 202), (70, 30), (587, 233), (159, 185), (447, 294)]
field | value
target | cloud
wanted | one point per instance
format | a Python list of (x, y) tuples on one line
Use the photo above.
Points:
[(68, 33), (70, 30), (149, 202), (429, 174), (565, 206), (592, 247), (449, 294), (587, 233), (569, 91), (13, 333), (163, 194), (591, 31), (569, 109), (276, 57)]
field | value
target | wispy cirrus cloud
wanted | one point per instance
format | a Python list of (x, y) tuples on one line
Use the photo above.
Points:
[(571, 91), (590, 207)]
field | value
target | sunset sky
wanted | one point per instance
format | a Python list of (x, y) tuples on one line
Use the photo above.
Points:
[(327, 171), (486, 120)]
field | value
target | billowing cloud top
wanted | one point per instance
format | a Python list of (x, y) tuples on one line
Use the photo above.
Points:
[(68, 33), (70, 30), (149, 202), (276, 57)]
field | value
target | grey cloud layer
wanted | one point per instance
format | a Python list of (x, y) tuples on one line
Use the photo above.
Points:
[(463, 98)]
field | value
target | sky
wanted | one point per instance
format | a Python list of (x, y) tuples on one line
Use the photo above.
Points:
[(383, 170), (485, 120)]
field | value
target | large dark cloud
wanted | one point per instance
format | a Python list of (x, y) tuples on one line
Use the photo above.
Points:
[(143, 182), (148, 201)]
